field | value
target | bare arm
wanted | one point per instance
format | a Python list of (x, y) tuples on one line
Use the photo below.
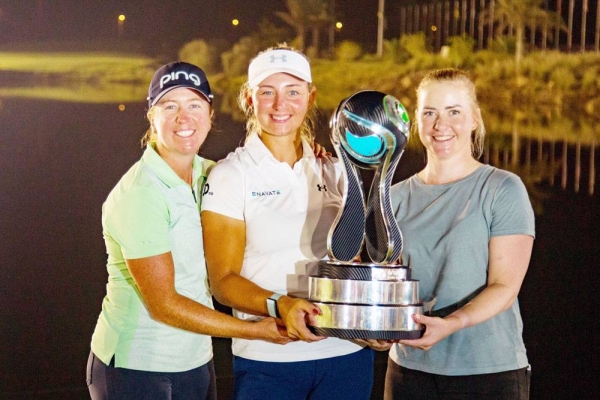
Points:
[(155, 279), (508, 263), (224, 259)]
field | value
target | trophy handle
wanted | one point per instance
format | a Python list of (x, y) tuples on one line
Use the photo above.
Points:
[(384, 238), (346, 237)]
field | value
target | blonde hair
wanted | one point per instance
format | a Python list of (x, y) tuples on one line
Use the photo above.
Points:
[(457, 76), (253, 126), (150, 135)]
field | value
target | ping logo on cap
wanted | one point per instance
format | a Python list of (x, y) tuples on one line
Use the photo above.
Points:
[(274, 58), (173, 76)]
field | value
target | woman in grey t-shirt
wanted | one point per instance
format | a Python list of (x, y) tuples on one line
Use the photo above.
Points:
[(468, 234)]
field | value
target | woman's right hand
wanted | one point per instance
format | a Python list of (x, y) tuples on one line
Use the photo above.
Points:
[(295, 313), (268, 330)]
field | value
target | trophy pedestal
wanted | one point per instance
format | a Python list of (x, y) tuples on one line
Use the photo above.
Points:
[(365, 301)]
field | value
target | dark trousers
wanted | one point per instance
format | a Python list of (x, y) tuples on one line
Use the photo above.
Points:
[(106, 382), (336, 378), (404, 384)]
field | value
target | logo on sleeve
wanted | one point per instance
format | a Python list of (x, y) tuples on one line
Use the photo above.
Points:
[(322, 188)]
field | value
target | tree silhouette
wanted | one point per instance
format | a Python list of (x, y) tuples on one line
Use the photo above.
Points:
[(306, 14), (514, 16)]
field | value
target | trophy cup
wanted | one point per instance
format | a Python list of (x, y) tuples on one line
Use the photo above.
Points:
[(377, 299)]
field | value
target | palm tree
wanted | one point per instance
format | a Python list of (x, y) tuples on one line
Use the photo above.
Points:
[(303, 15), (570, 28), (557, 32), (514, 16), (584, 11), (321, 19), (597, 34)]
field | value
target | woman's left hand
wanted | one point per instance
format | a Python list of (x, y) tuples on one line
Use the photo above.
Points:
[(295, 313), (436, 329)]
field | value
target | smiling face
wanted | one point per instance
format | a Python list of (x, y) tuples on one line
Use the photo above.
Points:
[(281, 103), (181, 120), (446, 119)]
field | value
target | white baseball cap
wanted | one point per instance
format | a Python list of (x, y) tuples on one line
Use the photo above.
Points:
[(280, 60)]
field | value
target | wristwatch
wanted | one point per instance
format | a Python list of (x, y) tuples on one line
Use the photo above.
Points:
[(272, 305)]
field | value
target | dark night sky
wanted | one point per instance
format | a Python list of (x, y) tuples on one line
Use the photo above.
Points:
[(168, 24), (173, 21)]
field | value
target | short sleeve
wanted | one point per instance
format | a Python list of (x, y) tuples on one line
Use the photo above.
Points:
[(224, 191), (139, 222), (512, 213)]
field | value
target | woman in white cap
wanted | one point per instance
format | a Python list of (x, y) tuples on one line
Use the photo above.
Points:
[(152, 339), (266, 212)]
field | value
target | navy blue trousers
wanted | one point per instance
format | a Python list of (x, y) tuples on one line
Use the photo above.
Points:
[(337, 378)]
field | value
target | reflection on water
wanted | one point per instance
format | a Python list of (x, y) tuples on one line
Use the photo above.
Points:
[(555, 163), (568, 162), (106, 93), (540, 147)]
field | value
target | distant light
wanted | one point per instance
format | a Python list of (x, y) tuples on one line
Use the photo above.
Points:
[(121, 18), (235, 22), (433, 28), (121, 107), (338, 25)]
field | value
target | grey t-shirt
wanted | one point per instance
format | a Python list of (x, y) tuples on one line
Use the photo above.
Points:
[(446, 231)]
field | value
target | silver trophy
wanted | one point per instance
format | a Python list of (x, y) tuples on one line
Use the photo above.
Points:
[(376, 299)]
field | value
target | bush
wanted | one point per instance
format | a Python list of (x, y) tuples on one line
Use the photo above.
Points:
[(590, 80), (415, 44), (236, 61), (393, 51), (461, 50), (348, 51), (563, 78), (200, 53)]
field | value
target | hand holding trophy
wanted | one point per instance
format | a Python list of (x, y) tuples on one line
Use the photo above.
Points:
[(377, 299)]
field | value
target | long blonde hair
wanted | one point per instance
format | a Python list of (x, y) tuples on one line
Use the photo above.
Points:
[(253, 126), (457, 76)]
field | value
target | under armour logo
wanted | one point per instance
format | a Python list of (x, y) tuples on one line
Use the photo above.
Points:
[(322, 188), (282, 58)]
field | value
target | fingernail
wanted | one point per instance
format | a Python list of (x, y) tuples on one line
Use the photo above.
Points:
[(315, 312)]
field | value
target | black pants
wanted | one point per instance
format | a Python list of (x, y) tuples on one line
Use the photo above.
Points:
[(408, 384), (105, 382)]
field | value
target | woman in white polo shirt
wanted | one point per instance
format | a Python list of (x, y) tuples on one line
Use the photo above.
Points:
[(152, 337), (266, 212)]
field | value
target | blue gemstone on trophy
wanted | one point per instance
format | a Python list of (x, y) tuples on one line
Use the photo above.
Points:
[(366, 147)]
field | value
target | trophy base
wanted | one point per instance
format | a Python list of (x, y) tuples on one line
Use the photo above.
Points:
[(352, 321), (362, 271), (361, 334)]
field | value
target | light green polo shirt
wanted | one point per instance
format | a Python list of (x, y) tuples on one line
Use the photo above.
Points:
[(152, 211)]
